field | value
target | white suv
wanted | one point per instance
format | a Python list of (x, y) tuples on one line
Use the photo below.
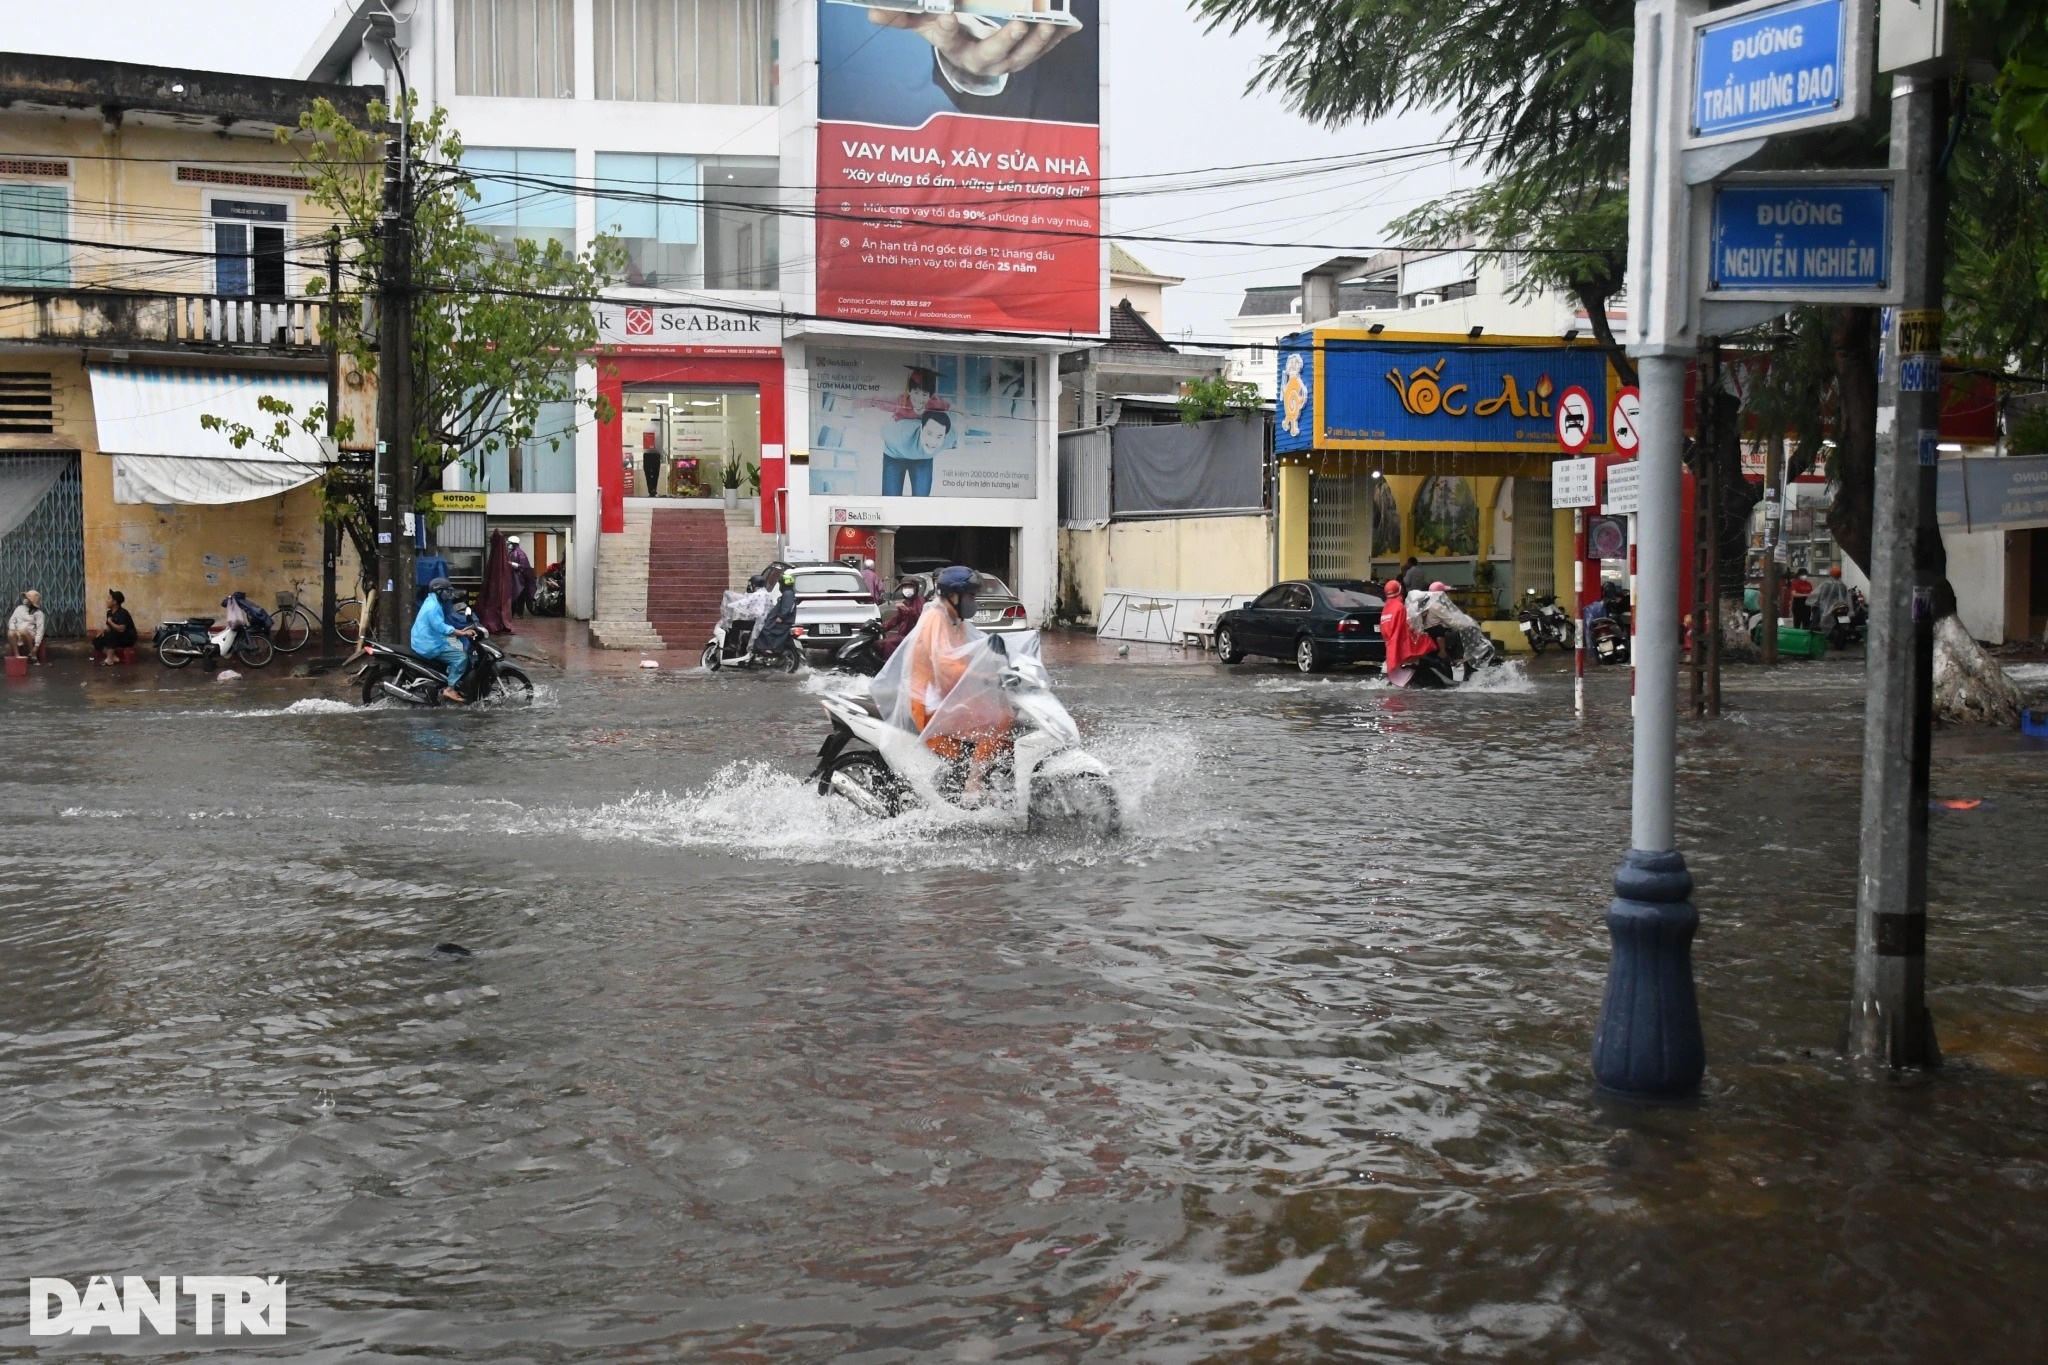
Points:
[(832, 602)]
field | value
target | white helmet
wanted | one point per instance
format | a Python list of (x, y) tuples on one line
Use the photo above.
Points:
[(511, 540)]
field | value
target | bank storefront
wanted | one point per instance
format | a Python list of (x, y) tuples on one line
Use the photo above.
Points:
[(1391, 445), (924, 453)]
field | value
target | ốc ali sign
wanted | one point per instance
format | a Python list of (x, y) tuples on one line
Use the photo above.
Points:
[(1355, 391)]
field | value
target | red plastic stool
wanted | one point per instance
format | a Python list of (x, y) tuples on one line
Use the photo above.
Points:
[(126, 654), (17, 667)]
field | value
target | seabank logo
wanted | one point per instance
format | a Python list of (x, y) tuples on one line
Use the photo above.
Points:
[(1423, 393), (248, 1303)]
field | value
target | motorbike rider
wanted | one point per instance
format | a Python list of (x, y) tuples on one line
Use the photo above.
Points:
[(1404, 643), (975, 731), (909, 607), (1828, 595), (438, 633), (774, 632)]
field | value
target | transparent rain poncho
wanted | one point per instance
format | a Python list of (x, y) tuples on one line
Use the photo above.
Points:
[(1431, 609), (745, 606), (944, 683)]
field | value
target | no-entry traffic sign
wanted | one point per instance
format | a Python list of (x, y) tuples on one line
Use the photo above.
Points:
[(1621, 423), (1574, 419)]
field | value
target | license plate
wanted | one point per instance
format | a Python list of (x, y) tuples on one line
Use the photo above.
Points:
[(828, 630), (1526, 627)]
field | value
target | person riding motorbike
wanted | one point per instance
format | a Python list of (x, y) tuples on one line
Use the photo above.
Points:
[(969, 727), (909, 607), (1828, 594), (438, 632), (774, 631), (1404, 642)]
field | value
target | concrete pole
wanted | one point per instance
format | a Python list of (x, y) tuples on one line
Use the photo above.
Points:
[(1648, 1040), (1888, 1020), (1774, 534)]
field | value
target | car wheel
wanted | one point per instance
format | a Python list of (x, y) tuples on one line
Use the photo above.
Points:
[(1226, 646), (1308, 656)]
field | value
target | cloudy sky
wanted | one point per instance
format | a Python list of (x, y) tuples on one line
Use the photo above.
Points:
[(1177, 111)]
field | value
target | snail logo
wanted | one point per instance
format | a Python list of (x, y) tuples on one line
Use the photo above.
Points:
[(1424, 393), (1293, 396)]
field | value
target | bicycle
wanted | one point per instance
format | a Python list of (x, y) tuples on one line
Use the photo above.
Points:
[(292, 625)]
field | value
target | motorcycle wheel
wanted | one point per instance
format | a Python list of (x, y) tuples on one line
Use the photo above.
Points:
[(1539, 640), (255, 650), (175, 651), (712, 657), (791, 659), (880, 791), (372, 685), (1084, 805), (510, 685)]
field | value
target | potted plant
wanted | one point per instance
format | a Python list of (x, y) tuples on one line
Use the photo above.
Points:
[(732, 479), (754, 490)]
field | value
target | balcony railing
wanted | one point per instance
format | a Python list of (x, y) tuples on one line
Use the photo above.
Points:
[(114, 318)]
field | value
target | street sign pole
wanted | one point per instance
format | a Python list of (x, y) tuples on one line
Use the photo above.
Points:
[(1888, 1020), (1648, 1040)]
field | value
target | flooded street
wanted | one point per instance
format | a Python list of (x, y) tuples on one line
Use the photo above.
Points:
[(1294, 1070)]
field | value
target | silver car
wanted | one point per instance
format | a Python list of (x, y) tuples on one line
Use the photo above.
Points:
[(996, 608), (832, 602)]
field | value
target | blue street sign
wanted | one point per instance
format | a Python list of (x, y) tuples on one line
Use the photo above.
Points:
[(1768, 68), (1801, 238)]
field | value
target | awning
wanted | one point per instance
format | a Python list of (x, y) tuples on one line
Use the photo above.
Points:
[(149, 421)]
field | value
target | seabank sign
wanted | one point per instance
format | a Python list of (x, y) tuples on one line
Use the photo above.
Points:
[(1354, 391)]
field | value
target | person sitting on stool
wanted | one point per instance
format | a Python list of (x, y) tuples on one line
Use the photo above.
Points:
[(25, 625), (120, 631)]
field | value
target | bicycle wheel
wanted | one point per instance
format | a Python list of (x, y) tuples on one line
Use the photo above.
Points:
[(348, 620), (254, 650), (291, 628)]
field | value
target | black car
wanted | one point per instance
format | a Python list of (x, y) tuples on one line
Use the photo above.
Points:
[(1315, 622)]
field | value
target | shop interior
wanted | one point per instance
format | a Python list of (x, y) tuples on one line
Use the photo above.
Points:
[(927, 549), (677, 440)]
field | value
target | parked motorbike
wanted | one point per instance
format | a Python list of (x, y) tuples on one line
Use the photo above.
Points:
[(390, 673), (1607, 635), (196, 637), (548, 594), (863, 653), (1048, 778), (1544, 623)]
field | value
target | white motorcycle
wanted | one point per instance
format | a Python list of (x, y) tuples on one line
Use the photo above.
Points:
[(884, 769)]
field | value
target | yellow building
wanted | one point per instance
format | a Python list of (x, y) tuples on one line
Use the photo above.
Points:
[(155, 248)]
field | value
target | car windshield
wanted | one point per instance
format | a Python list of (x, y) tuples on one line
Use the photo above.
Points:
[(991, 586), (833, 582), (1343, 599)]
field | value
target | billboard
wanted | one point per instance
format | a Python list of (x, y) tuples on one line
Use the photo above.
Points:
[(959, 149), (1353, 391), (928, 424)]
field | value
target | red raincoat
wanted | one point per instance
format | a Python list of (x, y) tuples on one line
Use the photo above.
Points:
[(1403, 645)]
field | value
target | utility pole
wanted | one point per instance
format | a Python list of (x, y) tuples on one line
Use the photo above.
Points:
[(395, 493), (330, 534), (1774, 538), (1888, 1019)]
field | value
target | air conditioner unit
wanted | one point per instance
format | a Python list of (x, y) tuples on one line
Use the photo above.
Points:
[(1428, 300)]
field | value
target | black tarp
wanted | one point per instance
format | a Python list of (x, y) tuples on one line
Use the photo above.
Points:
[(1217, 466)]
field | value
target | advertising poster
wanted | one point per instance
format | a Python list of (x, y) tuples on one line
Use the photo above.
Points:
[(959, 151), (931, 424)]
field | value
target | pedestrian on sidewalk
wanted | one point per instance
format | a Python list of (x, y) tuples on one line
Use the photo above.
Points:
[(872, 579), (25, 625), (522, 576)]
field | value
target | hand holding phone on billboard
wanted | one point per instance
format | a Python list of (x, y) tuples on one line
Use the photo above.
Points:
[(980, 47)]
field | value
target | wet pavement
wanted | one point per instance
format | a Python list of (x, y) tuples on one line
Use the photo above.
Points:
[(1295, 1070)]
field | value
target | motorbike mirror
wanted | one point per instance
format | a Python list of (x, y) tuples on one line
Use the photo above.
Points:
[(995, 642)]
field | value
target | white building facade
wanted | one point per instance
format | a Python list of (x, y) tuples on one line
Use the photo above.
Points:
[(689, 130)]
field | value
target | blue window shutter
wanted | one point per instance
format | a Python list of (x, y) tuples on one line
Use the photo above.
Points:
[(681, 196), (540, 207), (633, 177)]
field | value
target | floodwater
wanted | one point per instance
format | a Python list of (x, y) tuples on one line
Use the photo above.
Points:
[(1294, 1071)]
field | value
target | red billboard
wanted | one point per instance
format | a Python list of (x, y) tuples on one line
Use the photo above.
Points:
[(959, 150)]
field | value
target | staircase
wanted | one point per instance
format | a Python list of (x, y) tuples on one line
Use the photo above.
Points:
[(686, 573), (621, 618), (747, 550)]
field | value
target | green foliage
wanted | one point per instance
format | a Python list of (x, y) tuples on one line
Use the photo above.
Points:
[(495, 326), (2027, 433), (753, 480), (1998, 244), (1538, 93), (733, 470), (1204, 399)]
